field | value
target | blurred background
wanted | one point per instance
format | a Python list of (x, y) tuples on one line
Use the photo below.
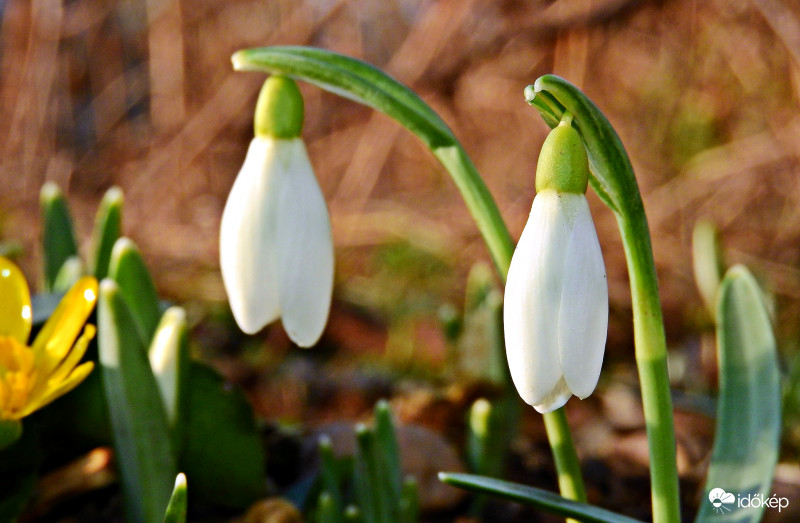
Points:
[(141, 94)]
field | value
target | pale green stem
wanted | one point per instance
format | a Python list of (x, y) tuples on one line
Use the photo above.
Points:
[(651, 360), (570, 481)]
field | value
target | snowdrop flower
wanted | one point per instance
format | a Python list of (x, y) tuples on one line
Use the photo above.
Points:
[(556, 298), (276, 251)]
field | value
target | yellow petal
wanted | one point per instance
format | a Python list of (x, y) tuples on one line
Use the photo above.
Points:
[(56, 390), (59, 332), (62, 370), (15, 305)]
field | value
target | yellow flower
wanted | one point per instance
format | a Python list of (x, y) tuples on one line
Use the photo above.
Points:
[(33, 376)]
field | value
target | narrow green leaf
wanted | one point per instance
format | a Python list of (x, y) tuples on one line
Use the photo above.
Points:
[(128, 269), (409, 501), (370, 495), (176, 509), (542, 499), (58, 235), (481, 347), (709, 266), (478, 439), (747, 435), (222, 441), (107, 229), (169, 360), (330, 476), (141, 436), (327, 509), (388, 451)]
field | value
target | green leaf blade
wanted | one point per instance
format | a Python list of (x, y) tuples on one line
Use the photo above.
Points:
[(747, 436), (141, 435), (169, 360), (107, 230), (542, 499), (222, 442), (58, 234), (178, 502), (128, 269)]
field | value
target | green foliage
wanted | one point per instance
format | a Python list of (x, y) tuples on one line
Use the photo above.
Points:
[(542, 499), (479, 346), (169, 361), (176, 509), (107, 229), (141, 434), (222, 453), (709, 265), (381, 494), (62, 263), (58, 235), (128, 269), (747, 436)]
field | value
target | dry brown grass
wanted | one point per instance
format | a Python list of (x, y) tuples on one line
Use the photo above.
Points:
[(704, 94)]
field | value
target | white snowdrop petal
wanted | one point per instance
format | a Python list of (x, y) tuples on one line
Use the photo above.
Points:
[(304, 249), (247, 235), (556, 399), (533, 288), (583, 310)]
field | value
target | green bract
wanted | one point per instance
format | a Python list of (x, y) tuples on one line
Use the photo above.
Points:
[(279, 110)]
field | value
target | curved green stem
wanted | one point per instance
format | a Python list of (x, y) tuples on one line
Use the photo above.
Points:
[(613, 180), (366, 84)]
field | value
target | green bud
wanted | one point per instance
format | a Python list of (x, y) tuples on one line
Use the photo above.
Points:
[(279, 110), (563, 164)]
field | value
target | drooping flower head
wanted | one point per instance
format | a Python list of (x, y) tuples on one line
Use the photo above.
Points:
[(276, 249), (33, 376), (556, 298)]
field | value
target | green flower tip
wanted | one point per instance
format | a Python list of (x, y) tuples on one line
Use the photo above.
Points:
[(279, 110), (563, 164)]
